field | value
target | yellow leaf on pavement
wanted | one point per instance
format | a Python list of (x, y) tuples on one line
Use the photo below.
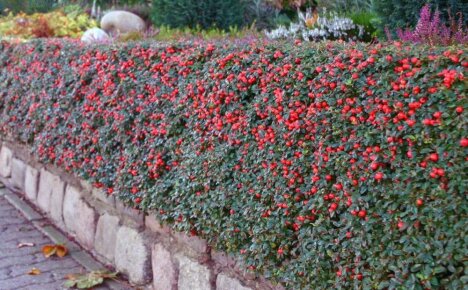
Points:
[(34, 271)]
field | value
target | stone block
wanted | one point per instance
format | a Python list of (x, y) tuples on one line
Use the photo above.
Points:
[(106, 235), (56, 203), (137, 217), (5, 161), (18, 171), (48, 183), (192, 275), (194, 243), (132, 256), (222, 259), (224, 282), (164, 271), (31, 182), (153, 224), (79, 217), (102, 196)]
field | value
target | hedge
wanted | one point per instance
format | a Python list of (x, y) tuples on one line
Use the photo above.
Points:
[(319, 165)]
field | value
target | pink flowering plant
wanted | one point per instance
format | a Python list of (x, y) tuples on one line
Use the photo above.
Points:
[(431, 30)]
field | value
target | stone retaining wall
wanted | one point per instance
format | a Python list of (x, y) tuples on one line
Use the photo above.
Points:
[(136, 244)]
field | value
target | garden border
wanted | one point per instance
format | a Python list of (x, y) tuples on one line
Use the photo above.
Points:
[(134, 243)]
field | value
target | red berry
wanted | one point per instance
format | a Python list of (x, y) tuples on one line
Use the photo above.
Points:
[(378, 176), (464, 142), (459, 110), (434, 157), (419, 202), (440, 172), (401, 225), (362, 213)]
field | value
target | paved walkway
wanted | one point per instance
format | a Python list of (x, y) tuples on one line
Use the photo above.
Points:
[(27, 226)]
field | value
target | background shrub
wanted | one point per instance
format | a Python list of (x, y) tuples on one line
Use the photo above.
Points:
[(404, 13), (27, 6), (333, 165), (199, 13)]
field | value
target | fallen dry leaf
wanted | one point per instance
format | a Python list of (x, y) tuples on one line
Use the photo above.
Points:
[(21, 245), (50, 250), (34, 271), (88, 280), (61, 251)]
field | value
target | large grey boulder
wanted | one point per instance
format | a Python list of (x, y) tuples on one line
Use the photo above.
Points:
[(95, 35), (122, 22)]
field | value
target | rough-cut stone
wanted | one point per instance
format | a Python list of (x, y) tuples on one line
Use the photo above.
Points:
[(224, 282), (132, 256), (102, 196), (106, 235), (48, 183), (192, 275), (222, 259), (137, 217), (164, 271), (95, 35), (194, 243), (152, 223), (79, 217), (18, 170), (5, 161), (121, 22), (56, 203), (31, 182)]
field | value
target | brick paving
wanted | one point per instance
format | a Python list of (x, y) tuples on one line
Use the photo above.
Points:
[(15, 263)]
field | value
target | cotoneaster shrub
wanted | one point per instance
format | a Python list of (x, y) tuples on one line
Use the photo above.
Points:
[(323, 166)]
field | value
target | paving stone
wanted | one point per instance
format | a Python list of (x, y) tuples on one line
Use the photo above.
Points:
[(31, 182), (224, 282), (164, 270), (79, 217), (192, 275), (5, 161), (106, 234), (132, 256), (15, 262), (18, 171)]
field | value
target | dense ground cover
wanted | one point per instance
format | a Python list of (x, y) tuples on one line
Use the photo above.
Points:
[(327, 165)]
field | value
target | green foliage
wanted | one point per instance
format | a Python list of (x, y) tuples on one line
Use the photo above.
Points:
[(165, 33), (331, 166), (203, 13), (346, 6), (27, 6), (404, 13), (366, 19)]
